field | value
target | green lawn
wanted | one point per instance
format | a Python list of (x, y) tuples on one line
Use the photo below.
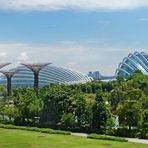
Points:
[(10, 138)]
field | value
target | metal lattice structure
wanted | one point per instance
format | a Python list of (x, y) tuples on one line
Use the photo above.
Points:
[(9, 75), (50, 74), (35, 68), (131, 63)]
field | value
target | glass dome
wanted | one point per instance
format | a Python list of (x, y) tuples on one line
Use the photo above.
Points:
[(49, 74), (135, 61)]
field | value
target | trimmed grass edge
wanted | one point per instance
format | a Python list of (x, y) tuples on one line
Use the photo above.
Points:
[(36, 129), (106, 137)]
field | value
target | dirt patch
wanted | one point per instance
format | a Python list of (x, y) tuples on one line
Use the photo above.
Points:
[(106, 145), (41, 136)]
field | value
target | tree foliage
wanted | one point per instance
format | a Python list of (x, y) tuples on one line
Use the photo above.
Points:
[(87, 106)]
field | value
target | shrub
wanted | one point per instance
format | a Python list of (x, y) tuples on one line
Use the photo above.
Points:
[(105, 137), (123, 132), (36, 129), (144, 131), (110, 132)]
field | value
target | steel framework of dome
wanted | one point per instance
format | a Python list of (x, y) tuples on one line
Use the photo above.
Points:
[(135, 61), (49, 74)]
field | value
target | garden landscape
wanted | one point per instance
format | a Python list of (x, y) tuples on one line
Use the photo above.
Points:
[(73, 73), (84, 108)]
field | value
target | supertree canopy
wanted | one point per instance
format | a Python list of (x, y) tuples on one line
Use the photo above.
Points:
[(36, 69), (9, 75)]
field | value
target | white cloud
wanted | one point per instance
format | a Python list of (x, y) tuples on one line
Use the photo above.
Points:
[(3, 54), (23, 57), (80, 56), (71, 4)]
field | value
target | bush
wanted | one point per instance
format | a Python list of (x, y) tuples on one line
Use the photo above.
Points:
[(68, 121), (110, 132), (144, 131), (105, 137), (36, 129), (5, 121), (122, 132)]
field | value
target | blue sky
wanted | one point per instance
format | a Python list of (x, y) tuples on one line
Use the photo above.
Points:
[(83, 36)]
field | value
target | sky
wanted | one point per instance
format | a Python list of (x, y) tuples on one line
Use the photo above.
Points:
[(84, 35)]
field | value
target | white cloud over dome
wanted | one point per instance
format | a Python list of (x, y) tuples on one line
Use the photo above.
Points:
[(3, 54), (23, 57), (92, 5), (72, 54)]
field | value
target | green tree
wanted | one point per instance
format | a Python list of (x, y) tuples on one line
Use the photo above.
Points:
[(68, 121), (54, 100), (130, 114), (144, 126), (116, 96), (27, 105), (3, 92), (101, 112)]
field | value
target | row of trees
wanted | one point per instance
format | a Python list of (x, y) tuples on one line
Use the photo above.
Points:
[(83, 107), (60, 106)]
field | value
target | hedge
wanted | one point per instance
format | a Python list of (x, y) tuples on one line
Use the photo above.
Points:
[(36, 129), (106, 137)]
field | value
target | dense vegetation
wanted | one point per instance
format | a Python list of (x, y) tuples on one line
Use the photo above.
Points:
[(82, 107)]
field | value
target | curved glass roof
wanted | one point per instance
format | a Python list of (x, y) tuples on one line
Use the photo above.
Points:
[(49, 74), (135, 61)]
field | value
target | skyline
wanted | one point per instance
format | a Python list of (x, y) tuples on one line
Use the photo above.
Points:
[(82, 35)]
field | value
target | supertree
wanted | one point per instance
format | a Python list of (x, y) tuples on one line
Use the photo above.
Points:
[(35, 68), (4, 64), (9, 74)]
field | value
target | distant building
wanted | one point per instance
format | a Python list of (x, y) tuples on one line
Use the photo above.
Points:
[(97, 76)]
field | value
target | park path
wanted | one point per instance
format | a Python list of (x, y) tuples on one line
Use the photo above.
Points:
[(129, 139), (79, 134), (137, 140)]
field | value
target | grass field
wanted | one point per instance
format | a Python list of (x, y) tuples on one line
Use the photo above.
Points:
[(10, 138)]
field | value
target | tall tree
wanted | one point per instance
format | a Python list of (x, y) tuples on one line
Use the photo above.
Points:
[(101, 112)]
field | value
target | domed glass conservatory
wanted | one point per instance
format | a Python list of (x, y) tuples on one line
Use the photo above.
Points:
[(49, 74), (135, 61)]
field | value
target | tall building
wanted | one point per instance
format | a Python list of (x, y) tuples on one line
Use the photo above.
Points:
[(97, 76)]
